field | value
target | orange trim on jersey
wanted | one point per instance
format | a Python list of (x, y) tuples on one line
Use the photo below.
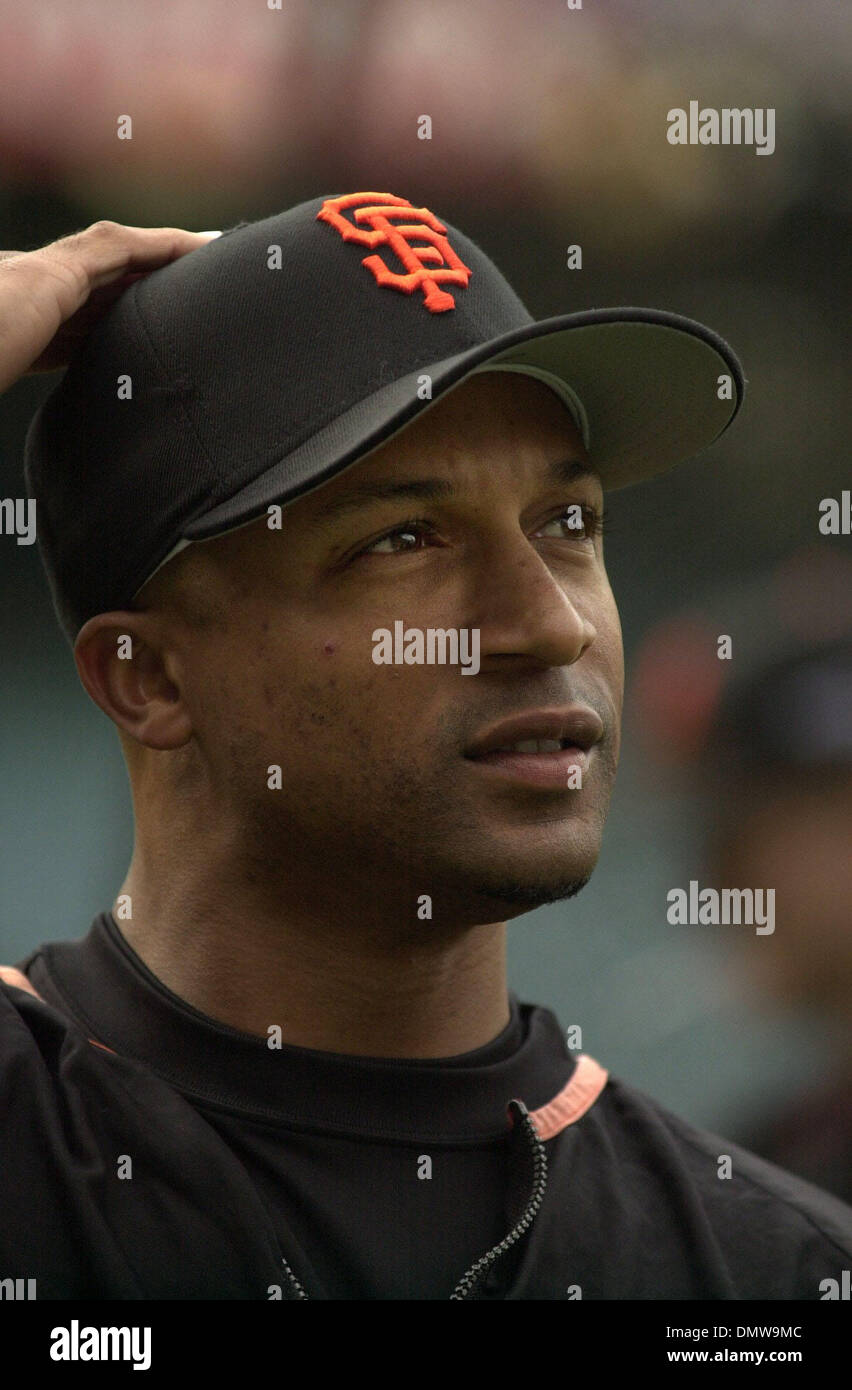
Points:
[(575, 1098), (18, 980)]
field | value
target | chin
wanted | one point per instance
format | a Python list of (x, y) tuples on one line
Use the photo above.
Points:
[(523, 895), (500, 899)]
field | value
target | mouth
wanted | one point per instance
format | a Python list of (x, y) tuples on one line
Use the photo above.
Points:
[(563, 768), (543, 748)]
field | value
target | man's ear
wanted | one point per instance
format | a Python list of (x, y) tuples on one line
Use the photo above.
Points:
[(128, 668)]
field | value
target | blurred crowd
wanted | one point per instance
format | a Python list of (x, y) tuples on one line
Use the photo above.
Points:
[(766, 736), (537, 102)]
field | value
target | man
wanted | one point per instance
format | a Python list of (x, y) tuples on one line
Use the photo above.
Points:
[(286, 1064)]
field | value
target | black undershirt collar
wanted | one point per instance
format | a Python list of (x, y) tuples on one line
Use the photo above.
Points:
[(113, 995)]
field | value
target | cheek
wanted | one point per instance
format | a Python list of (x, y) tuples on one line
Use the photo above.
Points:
[(610, 645), (336, 686), (245, 685), (609, 659)]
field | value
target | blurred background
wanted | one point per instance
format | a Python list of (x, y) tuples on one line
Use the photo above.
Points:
[(548, 130)]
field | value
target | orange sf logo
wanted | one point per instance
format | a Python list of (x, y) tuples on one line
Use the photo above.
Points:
[(425, 266)]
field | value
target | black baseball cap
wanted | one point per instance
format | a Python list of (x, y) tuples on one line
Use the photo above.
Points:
[(260, 365)]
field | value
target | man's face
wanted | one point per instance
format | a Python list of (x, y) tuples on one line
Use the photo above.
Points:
[(377, 793)]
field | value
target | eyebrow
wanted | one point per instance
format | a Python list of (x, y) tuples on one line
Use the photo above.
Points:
[(434, 489)]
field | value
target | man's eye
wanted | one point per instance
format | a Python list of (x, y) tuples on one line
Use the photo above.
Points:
[(407, 531), (577, 522)]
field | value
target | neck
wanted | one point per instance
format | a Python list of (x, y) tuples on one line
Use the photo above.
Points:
[(333, 974)]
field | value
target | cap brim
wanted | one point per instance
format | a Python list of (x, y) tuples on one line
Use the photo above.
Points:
[(649, 382)]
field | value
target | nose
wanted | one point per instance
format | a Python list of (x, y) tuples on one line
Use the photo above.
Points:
[(525, 610)]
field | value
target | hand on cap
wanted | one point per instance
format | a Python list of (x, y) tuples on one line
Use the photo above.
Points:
[(51, 298)]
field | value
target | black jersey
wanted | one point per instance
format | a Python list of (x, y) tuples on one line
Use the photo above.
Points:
[(148, 1151)]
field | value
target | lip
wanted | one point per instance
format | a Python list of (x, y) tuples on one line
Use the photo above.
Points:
[(539, 769), (578, 723)]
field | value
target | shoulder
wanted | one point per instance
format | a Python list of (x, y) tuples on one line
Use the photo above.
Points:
[(742, 1195), (58, 1080), (11, 975), (46, 1058), (78, 1121), (30, 1030), (691, 1214)]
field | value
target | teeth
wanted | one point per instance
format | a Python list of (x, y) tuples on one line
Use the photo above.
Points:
[(533, 745)]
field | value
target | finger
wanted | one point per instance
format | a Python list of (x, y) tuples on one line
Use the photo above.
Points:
[(107, 250), (41, 290)]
